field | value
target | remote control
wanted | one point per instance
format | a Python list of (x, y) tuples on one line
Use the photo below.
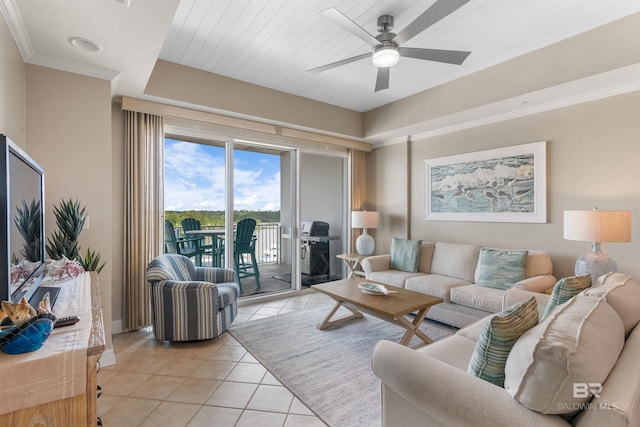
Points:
[(66, 321)]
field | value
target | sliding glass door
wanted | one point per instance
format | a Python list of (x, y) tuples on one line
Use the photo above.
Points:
[(262, 183), (249, 206), (215, 189), (323, 210)]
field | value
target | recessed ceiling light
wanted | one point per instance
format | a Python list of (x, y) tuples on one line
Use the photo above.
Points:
[(84, 44)]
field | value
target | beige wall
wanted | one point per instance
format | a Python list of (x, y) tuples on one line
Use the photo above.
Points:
[(12, 88), (388, 192), (63, 121), (180, 83), (69, 134), (593, 155)]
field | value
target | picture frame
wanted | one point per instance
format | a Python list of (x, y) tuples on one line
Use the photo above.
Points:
[(506, 184)]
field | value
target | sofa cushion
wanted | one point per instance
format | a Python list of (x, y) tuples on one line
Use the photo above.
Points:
[(393, 277), (455, 260), (476, 296), (405, 255), (618, 404), (435, 285), (497, 337), (579, 342), (426, 255), (501, 269), (565, 289), (538, 263), (621, 292)]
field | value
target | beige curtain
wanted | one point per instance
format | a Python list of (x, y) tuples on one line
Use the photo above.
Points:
[(358, 177), (143, 211)]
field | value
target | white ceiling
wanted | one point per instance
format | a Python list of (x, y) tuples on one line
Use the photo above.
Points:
[(272, 43)]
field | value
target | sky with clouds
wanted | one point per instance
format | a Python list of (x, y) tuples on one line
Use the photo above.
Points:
[(194, 176)]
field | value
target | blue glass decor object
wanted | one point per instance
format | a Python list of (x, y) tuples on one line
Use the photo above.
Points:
[(27, 337)]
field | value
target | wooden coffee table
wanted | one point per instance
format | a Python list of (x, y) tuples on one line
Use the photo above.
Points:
[(393, 307)]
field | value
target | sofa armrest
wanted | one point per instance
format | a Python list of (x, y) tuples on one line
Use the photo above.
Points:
[(543, 284), (514, 296), (447, 394), (376, 263)]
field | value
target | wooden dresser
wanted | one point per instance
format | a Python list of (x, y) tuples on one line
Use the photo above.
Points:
[(57, 384)]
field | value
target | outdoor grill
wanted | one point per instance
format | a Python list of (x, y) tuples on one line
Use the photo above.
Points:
[(314, 253)]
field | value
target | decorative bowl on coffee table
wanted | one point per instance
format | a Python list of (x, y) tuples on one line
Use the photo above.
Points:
[(374, 289)]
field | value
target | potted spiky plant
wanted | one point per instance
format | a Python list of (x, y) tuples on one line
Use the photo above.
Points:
[(91, 261), (70, 218)]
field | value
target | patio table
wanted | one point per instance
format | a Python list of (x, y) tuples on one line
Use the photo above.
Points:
[(217, 239)]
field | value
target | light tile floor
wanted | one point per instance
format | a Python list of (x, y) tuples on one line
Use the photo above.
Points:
[(208, 383)]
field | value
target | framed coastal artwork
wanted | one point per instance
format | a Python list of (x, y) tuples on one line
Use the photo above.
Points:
[(502, 185)]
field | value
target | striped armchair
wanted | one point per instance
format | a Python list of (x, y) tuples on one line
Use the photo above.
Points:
[(190, 303)]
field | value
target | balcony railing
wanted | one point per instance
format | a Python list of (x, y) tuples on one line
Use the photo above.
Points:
[(267, 242)]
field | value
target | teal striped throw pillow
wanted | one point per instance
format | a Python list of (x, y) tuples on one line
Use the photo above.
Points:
[(500, 268), (565, 289), (405, 255), (497, 338)]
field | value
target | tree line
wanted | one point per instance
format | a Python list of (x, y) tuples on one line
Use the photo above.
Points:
[(217, 217)]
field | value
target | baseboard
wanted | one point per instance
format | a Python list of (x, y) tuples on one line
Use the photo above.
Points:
[(108, 358), (116, 326)]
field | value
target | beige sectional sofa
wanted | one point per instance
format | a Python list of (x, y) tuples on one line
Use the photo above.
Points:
[(450, 271), (578, 366)]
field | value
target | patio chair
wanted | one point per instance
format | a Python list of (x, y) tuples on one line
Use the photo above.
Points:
[(187, 246), (245, 244), (190, 303), (189, 224), (215, 249)]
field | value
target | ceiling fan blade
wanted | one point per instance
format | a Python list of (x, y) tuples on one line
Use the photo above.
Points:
[(335, 16), (436, 12), (382, 82), (449, 56), (339, 63)]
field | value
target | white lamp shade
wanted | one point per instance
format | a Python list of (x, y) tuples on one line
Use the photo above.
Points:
[(597, 226), (364, 219)]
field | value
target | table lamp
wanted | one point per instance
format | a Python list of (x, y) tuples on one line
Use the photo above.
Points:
[(365, 219), (597, 226)]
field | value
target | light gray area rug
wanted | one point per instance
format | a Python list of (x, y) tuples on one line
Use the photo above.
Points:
[(330, 370)]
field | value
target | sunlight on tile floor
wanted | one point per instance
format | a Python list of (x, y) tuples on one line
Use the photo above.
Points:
[(208, 383)]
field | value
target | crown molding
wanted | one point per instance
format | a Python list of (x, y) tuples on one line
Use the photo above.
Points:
[(49, 62), (16, 26)]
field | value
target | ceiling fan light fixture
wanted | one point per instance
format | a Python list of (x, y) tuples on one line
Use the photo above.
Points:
[(385, 55)]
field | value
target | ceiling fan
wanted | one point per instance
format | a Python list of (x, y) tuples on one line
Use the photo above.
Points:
[(386, 45)]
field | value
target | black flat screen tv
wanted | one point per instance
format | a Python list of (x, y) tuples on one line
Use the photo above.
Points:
[(22, 233)]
